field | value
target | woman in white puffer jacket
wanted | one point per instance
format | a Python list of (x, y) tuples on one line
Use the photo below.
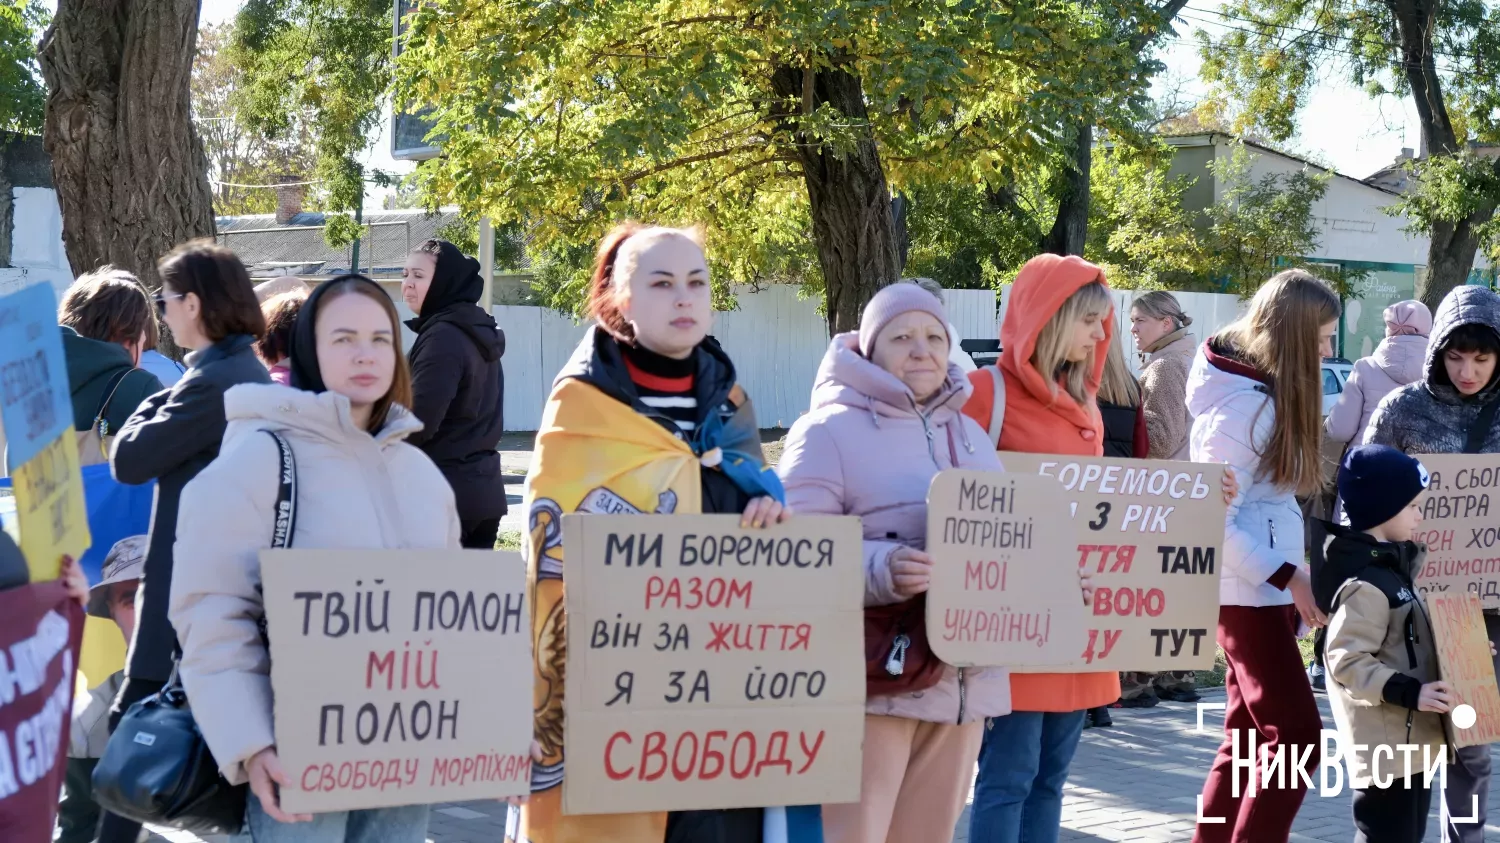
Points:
[(358, 485)]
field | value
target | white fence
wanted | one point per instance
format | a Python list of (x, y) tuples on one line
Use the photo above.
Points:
[(775, 338)]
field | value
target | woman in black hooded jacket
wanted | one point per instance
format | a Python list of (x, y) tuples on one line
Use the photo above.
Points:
[(458, 385)]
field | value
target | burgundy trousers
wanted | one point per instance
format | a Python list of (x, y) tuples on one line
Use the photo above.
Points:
[(1269, 698)]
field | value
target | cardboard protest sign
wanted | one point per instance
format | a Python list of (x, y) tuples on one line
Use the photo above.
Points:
[(400, 676), (36, 412), (1464, 661), (1004, 585), (50, 509), (1459, 527), (1151, 534), (35, 404), (40, 630), (711, 666)]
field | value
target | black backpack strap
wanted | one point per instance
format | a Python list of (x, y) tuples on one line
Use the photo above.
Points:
[(1480, 429), (286, 495)]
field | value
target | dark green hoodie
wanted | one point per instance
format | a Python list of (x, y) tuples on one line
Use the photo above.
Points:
[(92, 367)]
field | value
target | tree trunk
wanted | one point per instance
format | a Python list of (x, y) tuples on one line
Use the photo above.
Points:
[(851, 206), (130, 173), (1450, 253), (900, 212), (1071, 186)]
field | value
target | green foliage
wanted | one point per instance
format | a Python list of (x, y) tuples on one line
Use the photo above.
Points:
[(1138, 226), (329, 60), (1452, 188), (340, 230), (23, 96), (1263, 68), (571, 116), (968, 237), (239, 153), (1259, 220)]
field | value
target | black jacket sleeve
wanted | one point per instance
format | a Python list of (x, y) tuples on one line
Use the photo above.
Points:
[(136, 387), (167, 430), (437, 368)]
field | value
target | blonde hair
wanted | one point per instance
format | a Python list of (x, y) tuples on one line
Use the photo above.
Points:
[(1119, 386), (1279, 337), (1050, 357)]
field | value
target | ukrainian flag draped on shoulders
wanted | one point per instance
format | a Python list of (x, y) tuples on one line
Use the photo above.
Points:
[(601, 450)]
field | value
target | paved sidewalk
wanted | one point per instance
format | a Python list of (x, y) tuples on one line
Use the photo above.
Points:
[(1138, 781)]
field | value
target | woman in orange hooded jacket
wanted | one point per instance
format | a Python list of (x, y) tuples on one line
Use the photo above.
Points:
[(1056, 335)]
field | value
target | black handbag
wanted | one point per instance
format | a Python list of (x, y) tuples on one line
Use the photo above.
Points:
[(157, 768)]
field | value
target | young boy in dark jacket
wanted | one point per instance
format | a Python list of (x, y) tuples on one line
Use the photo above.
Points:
[(1382, 663)]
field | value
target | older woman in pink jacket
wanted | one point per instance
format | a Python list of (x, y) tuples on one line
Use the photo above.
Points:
[(885, 418), (1397, 361)]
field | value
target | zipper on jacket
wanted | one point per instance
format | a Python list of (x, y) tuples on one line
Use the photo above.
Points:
[(927, 429), (1411, 640), (1272, 524), (962, 696)]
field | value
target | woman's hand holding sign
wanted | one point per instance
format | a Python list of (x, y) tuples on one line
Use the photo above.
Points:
[(911, 572)]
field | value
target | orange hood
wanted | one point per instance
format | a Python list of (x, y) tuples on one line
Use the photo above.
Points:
[(1045, 282)]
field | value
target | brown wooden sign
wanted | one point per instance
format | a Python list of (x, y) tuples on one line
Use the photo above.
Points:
[(1151, 534), (401, 677), (1464, 659), (1004, 587), (1459, 527), (711, 666)]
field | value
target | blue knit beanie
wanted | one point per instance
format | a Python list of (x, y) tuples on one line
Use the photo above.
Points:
[(1376, 482)]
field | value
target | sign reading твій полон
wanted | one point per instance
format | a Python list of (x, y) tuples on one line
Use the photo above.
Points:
[(1463, 650), (401, 677), (1150, 533), (1004, 589), (1461, 531), (711, 666)]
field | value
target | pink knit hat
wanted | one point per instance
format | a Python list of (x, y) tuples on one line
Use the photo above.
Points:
[(892, 302), (1409, 317)]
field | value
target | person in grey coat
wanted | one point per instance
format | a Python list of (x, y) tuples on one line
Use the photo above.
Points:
[(1453, 410), (208, 302)]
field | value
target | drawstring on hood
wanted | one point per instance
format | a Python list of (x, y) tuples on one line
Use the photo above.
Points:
[(848, 378)]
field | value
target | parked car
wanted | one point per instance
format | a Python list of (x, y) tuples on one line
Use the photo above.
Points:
[(1336, 371)]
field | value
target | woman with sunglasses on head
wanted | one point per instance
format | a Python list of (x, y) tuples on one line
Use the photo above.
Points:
[(207, 301)]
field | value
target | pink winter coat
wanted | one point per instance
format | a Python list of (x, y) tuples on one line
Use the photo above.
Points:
[(866, 449), (1397, 361)]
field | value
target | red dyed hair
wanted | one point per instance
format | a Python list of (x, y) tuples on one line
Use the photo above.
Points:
[(604, 299)]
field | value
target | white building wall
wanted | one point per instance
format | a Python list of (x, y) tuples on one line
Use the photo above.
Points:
[(37, 252)]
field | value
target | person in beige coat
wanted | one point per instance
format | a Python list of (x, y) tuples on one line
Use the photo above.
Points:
[(1383, 680), (358, 485), (1159, 326)]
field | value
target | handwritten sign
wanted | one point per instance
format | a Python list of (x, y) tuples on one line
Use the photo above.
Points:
[(399, 676), (1151, 534), (1461, 526), (35, 405), (1464, 660), (40, 629), (711, 666), (50, 509), (1004, 590)]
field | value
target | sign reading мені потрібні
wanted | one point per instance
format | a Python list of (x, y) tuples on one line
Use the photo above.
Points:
[(1151, 535), (1459, 527), (711, 666), (401, 677), (1004, 588)]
